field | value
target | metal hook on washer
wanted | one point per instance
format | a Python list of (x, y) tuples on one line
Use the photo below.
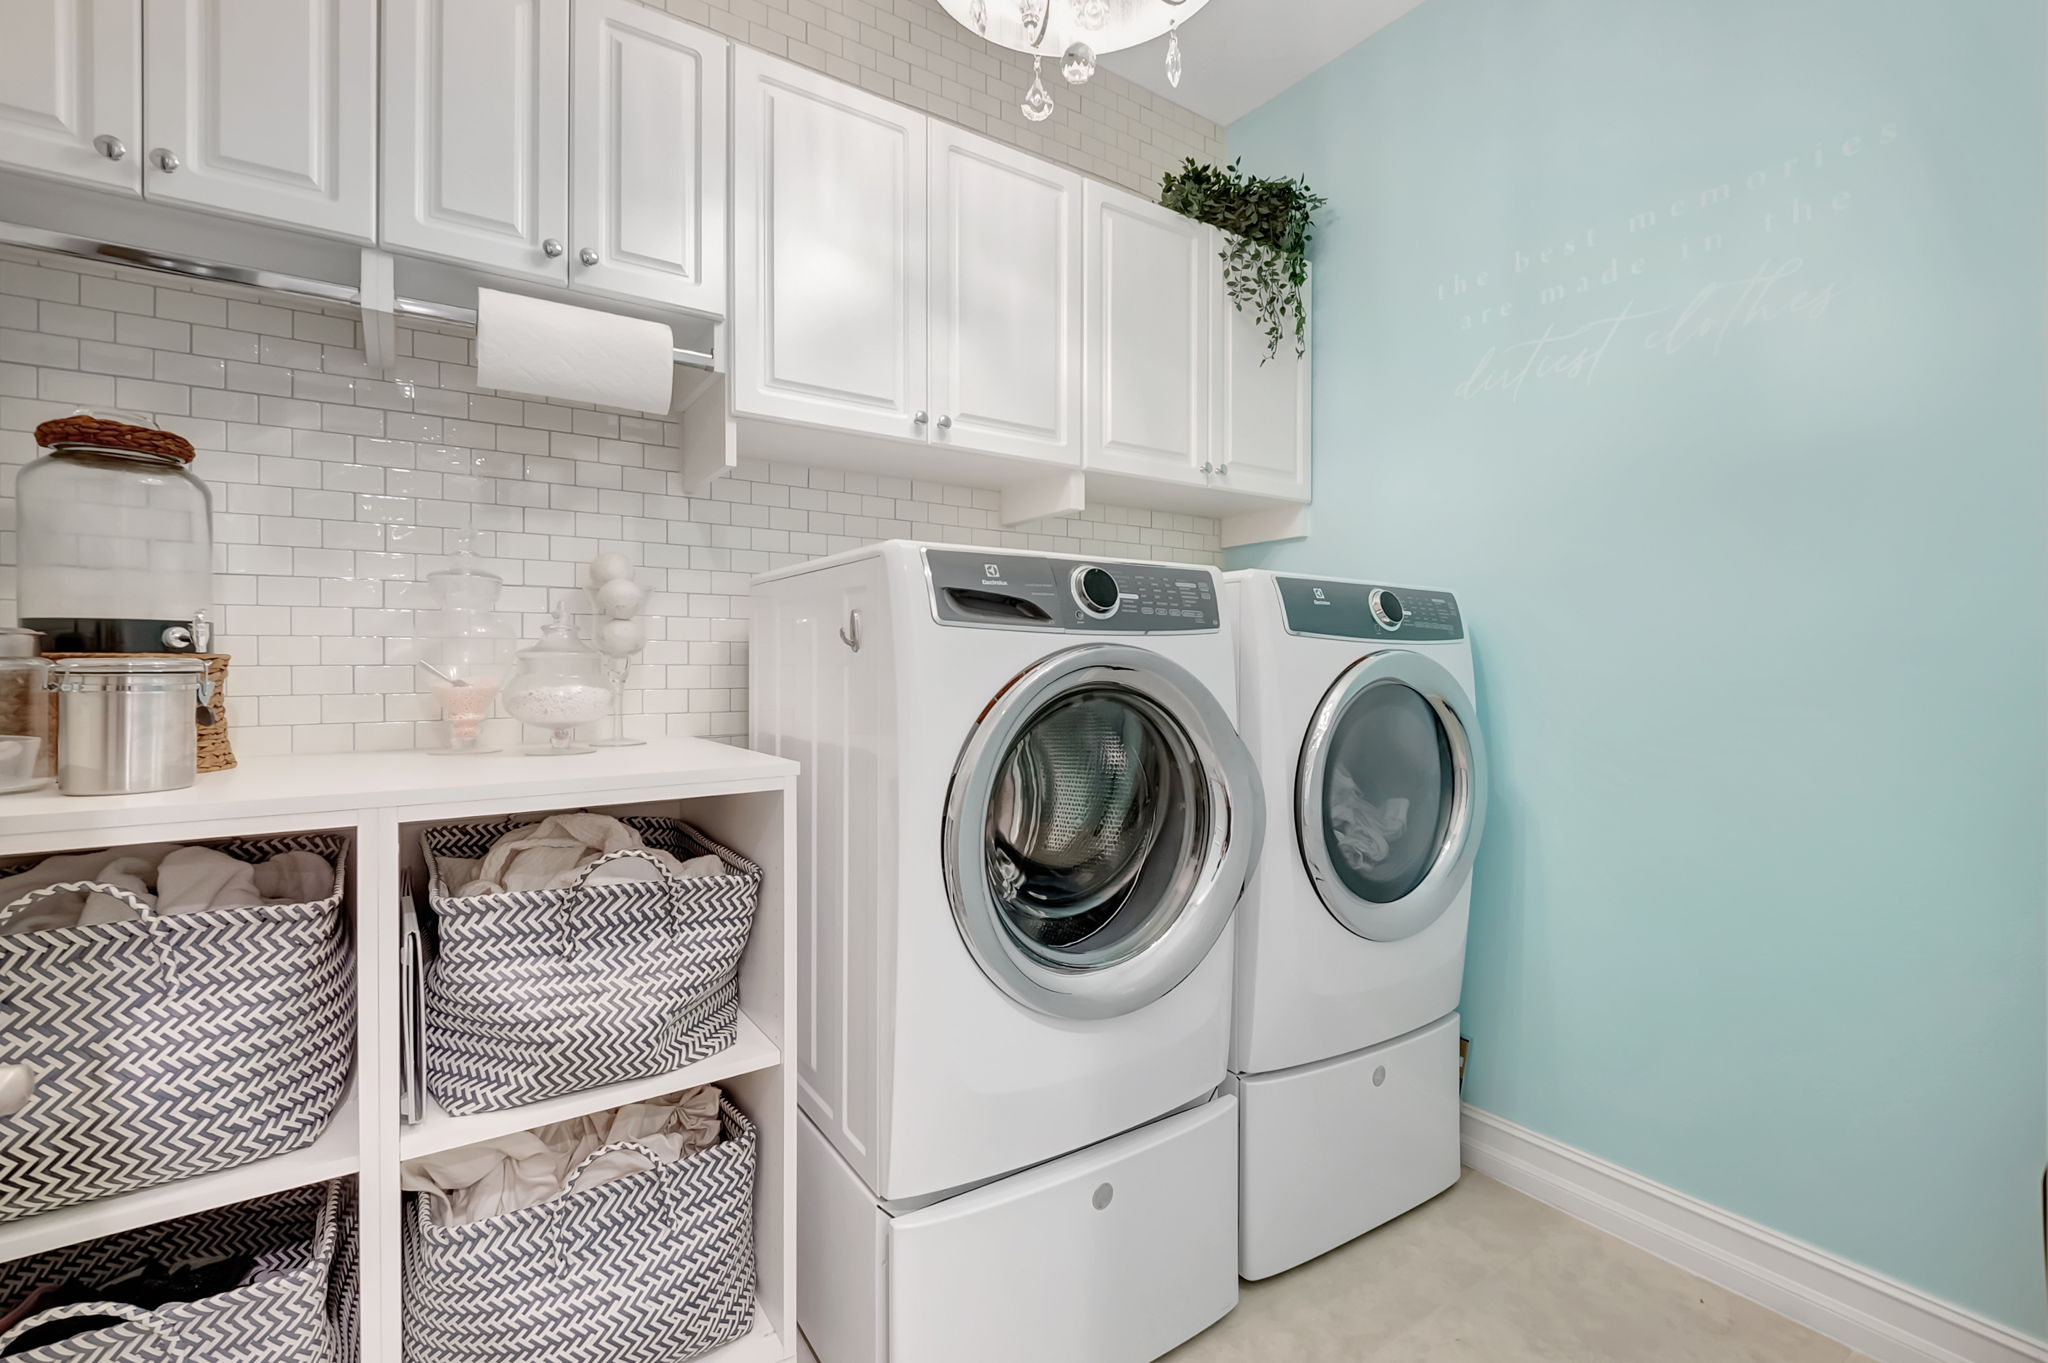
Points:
[(849, 634)]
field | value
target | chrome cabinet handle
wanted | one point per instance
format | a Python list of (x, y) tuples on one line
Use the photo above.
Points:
[(849, 633), (551, 248), (109, 146), (1223, 470), (587, 256), (1208, 468), (920, 418), (166, 160), (945, 423)]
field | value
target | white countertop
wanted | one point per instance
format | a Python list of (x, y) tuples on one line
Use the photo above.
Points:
[(263, 787)]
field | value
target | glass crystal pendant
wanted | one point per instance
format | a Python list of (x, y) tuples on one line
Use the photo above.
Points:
[(1078, 64), (1037, 102), (977, 14), (1173, 55), (1032, 12)]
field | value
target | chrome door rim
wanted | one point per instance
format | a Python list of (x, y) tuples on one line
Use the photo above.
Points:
[(1216, 877), (1410, 914)]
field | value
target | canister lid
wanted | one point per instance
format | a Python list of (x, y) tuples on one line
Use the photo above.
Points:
[(129, 665), (16, 642)]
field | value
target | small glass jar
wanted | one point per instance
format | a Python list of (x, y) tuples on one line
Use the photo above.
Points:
[(116, 545), (24, 711), (558, 683)]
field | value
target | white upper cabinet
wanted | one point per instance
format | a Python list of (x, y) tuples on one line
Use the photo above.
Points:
[(476, 132), (1262, 408), (264, 109), (71, 90), (1151, 279), (647, 156), (829, 298), (1005, 300)]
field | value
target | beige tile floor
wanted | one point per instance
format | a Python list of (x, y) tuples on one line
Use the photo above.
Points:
[(1484, 1274)]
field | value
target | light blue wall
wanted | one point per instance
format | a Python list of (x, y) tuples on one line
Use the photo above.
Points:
[(1756, 579)]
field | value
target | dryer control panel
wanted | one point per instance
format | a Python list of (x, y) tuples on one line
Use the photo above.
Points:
[(1358, 610), (1089, 596)]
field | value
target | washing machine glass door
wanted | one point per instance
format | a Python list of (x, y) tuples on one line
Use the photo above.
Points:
[(1102, 821), (1390, 794)]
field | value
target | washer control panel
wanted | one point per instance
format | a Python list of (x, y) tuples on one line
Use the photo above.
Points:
[(1092, 596), (1357, 610)]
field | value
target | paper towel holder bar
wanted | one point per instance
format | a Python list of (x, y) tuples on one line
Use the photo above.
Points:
[(319, 290)]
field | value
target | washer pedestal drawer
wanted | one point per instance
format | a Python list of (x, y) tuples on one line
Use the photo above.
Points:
[(1114, 1254), (1332, 1149)]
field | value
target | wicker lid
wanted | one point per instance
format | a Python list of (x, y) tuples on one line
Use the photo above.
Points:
[(112, 432)]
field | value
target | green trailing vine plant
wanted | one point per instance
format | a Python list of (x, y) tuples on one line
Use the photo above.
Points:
[(1270, 224)]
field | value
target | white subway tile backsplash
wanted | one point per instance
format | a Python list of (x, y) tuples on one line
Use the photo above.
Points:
[(336, 491)]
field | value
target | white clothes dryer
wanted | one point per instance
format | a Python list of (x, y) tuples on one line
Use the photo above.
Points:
[(1024, 821), (1356, 699)]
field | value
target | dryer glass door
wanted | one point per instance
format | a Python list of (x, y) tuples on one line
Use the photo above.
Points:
[(1390, 794), (1099, 830)]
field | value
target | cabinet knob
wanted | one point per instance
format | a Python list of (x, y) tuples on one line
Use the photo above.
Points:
[(113, 148), (551, 248), (587, 256), (166, 160), (945, 423), (1223, 470), (920, 418), (1208, 468)]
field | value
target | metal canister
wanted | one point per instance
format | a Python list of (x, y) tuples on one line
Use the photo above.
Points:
[(127, 724)]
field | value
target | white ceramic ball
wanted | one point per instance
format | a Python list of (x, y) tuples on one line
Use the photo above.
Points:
[(608, 568), (621, 638), (621, 598)]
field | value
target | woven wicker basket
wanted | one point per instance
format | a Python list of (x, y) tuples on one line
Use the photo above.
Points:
[(215, 753)]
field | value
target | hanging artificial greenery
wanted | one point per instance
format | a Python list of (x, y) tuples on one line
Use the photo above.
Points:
[(1270, 223)]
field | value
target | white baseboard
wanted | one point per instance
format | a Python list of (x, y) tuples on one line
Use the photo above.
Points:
[(1887, 1320)]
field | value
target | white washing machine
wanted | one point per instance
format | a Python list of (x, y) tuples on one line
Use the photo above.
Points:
[(1357, 702), (1025, 819)]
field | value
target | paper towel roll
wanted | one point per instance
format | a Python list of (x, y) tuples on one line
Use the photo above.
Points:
[(551, 350)]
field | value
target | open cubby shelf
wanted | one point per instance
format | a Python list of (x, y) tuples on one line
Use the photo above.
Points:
[(381, 802)]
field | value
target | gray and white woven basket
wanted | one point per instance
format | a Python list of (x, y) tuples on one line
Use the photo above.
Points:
[(173, 1045), (539, 993), (305, 1314), (654, 1267)]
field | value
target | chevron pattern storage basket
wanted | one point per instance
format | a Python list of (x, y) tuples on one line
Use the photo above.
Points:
[(654, 1267), (304, 1314), (174, 1045), (540, 993)]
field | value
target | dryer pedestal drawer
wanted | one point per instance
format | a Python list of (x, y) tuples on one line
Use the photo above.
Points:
[(1113, 1254), (1333, 1149)]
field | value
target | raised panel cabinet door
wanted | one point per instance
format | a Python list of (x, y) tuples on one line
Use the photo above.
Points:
[(476, 133), (264, 109), (1149, 284), (647, 156), (1006, 300), (829, 289), (1262, 422), (71, 90)]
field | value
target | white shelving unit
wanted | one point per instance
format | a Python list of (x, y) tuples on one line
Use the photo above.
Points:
[(381, 801)]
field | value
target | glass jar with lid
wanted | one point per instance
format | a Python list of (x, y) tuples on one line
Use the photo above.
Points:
[(24, 711), (559, 683), (116, 537), (469, 643)]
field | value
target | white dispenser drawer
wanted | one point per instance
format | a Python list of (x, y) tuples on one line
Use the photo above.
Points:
[(1114, 1254), (1332, 1149)]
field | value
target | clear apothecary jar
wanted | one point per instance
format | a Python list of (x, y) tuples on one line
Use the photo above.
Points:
[(25, 705), (116, 544)]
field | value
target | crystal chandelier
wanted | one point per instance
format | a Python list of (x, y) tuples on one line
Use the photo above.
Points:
[(1074, 33)]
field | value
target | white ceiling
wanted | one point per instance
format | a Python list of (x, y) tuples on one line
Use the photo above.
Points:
[(1237, 54)]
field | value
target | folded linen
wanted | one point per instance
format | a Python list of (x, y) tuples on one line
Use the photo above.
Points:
[(527, 1168), (551, 854), (169, 878)]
